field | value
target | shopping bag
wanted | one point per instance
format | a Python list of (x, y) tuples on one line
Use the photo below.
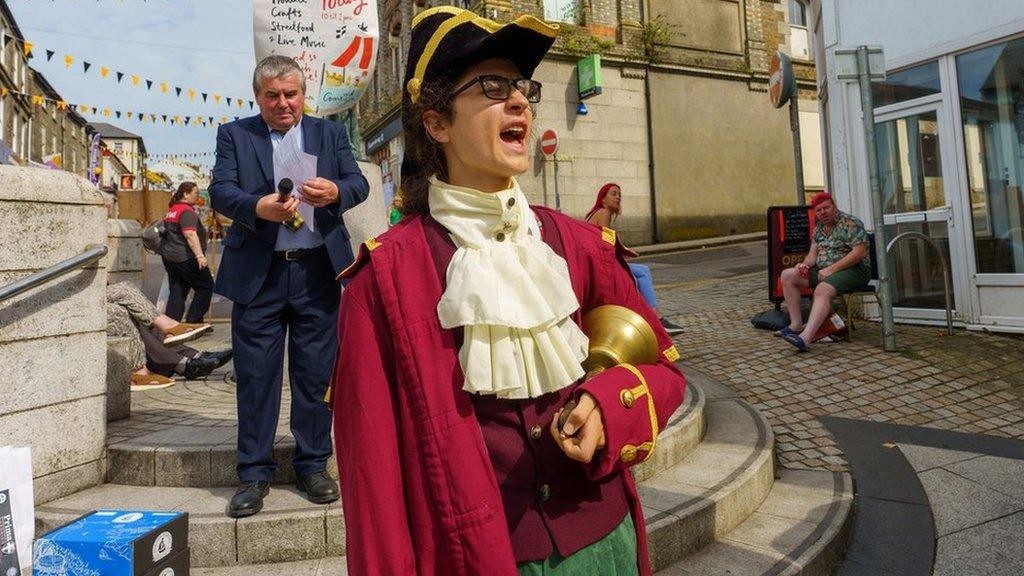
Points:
[(17, 515)]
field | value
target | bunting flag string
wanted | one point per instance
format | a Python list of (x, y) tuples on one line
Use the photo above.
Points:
[(152, 117), (104, 72)]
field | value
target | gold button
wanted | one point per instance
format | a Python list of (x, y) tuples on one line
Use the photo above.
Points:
[(545, 492), (500, 237), (628, 453), (627, 398), (511, 202), (536, 432)]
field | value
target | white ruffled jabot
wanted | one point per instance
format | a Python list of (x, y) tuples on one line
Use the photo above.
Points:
[(511, 294)]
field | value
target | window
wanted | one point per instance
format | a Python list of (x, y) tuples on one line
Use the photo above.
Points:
[(797, 13), (799, 38), (907, 84), (991, 83), (562, 10)]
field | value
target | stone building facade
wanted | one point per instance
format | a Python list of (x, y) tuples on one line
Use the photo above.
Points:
[(683, 123), (15, 108), (57, 131)]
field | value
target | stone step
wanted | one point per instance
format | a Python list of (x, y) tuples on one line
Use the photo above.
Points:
[(714, 489), (202, 454), (801, 528), (684, 501), (289, 528), (334, 566)]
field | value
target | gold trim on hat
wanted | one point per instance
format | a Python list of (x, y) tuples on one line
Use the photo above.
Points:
[(460, 16)]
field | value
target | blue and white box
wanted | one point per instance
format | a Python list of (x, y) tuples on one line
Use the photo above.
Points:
[(113, 543)]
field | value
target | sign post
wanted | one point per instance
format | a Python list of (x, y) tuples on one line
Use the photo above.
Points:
[(549, 147), (781, 89), (864, 65)]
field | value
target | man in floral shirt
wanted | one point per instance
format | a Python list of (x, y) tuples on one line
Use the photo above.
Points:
[(837, 263)]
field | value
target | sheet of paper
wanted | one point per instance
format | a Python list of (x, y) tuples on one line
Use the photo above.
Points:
[(290, 161)]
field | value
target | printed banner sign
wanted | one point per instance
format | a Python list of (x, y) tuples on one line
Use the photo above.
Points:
[(334, 41)]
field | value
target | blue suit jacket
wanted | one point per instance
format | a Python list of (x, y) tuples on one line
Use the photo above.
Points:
[(244, 172)]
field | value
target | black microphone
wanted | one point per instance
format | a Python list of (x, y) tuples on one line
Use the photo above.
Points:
[(284, 189)]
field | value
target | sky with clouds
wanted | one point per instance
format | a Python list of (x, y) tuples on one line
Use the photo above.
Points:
[(205, 45)]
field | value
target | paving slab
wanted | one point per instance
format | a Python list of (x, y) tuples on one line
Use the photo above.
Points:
[(1003, 475), (988, 549), (958, 503)]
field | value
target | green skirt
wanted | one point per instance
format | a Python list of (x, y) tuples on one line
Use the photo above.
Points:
[(613, 555)]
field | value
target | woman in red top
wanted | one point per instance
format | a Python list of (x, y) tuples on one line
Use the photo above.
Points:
[(460, 344), (184, 256)]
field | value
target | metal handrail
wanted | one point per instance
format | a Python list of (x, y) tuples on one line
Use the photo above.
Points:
[(93, 253), (945, 270)]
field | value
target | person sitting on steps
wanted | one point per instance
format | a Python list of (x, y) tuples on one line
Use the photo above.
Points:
[(837, 263), (155, 341), (606, 208)]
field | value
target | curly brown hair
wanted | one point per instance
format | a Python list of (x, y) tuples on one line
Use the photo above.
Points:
[(424, 156)]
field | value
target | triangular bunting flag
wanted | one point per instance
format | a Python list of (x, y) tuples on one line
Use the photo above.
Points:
[(187, 118), (83, 108), (95, 110), (204, 96), (68, 60), (120, 76), (177, 91), (216, 98), (149, 84), (191, 94), (117, 113), (4, 91), (106, 112), (239, 103), (28, 47), (164, 117), (62, 105), (104, 71), (135, 80), (129, 114), (163, 87), (223, 119), (37, 100), (49, 55), (250, 104), (211, 119), (229, 101), (85, 66)]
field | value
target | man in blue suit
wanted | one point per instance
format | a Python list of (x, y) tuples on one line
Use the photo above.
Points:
[(282, 282)]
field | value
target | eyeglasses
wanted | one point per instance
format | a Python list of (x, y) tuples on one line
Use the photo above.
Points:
[(500, 88)]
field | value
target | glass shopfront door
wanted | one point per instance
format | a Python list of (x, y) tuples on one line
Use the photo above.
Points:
[(916, 198)]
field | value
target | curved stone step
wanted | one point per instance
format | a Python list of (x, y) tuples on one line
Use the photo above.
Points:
[(714, 489), (801, 528), (289, 528), (686, 503), (202, 455)]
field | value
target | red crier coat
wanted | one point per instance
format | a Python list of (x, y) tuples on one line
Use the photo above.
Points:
[(418, 490)]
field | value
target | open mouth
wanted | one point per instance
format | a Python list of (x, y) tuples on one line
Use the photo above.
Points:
[(514, 134)]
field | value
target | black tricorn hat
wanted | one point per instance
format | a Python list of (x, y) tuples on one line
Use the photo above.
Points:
[(447, 40)]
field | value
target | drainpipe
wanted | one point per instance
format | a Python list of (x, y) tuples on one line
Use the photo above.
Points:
[(656, 238)]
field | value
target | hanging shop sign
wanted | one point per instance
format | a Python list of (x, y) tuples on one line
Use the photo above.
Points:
[(588, 75)]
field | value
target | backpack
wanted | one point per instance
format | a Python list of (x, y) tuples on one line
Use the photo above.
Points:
[(153, 237)]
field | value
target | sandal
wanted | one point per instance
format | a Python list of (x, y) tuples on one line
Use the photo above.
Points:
[(785, 332), (797, 341)]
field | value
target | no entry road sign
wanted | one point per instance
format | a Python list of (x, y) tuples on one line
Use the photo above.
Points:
[(549, 142)]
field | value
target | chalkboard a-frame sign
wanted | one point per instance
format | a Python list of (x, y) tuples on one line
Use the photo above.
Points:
[(790, 232)]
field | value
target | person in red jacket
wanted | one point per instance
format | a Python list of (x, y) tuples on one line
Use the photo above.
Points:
[(459, 344)]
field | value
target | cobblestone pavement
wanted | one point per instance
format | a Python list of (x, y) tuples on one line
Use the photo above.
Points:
[(969, 382)]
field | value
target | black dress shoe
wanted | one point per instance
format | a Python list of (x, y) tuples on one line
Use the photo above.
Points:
[(202, 364), (248, 499), (319, 487)]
